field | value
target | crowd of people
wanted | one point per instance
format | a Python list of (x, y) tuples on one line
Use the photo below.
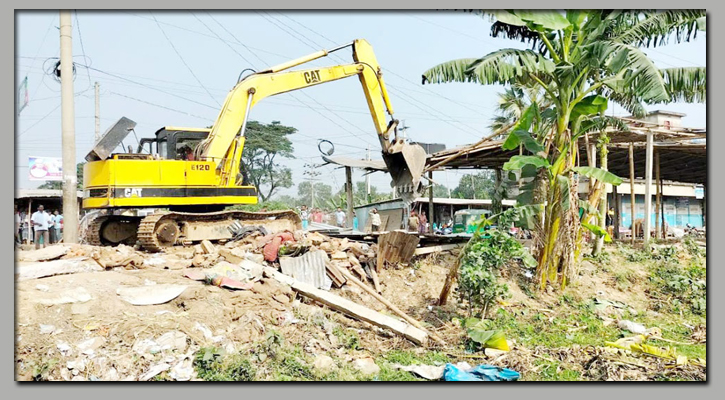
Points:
[(337, 218), (41, 227)]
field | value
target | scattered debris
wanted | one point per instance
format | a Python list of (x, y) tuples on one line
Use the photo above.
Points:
[(350, 308), (437, 249), (57, 267), (75, 295), (47, 329), (88, 347), (323, 363), (396, 247), (430, 372), (184, 369), (208, 247), (154, 370), (480, 373), (207, 332), (44, 254), (149, 295), (42, 288), (173, 340), (366, 366), (308, 268)]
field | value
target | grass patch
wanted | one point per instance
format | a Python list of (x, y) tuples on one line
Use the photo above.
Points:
[(213, 364)]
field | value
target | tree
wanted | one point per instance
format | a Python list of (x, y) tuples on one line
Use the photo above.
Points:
[(263, 143), (475, 186), (581, 60), (288, 200), (321, 195), (440, 191), (58, 185), (360, 194)]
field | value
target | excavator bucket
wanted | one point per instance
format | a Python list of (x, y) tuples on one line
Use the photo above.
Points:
[(406, 163)]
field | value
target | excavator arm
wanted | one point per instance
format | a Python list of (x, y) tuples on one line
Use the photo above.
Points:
[(225, 142)]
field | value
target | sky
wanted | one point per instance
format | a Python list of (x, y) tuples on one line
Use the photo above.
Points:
[(175, 69)]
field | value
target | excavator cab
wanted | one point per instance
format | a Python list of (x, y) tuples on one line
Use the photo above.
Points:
[(174, 143)]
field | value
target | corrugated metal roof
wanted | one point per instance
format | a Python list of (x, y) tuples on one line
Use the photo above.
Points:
[(32, 193), (308, 268)]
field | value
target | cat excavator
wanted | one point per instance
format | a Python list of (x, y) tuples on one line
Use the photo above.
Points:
[(194, 174)]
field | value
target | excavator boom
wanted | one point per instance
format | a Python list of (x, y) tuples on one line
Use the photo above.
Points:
[(197, 182)]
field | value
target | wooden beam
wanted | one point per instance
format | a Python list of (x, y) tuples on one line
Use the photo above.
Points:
[(390, 305), (434, 249), (617, 211), (631, 186), (351, 309)]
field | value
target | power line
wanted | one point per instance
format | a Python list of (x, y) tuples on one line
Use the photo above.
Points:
[(150, 87), (184, 61), (39, 121), (83, 50), (224, 41), (160, 106)]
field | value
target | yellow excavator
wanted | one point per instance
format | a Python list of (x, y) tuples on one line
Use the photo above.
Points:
[(196, 173)]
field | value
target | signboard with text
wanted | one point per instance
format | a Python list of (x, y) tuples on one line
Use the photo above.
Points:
[(45, 168)]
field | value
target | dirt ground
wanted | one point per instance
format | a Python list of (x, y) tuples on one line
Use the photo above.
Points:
[(106, 338)]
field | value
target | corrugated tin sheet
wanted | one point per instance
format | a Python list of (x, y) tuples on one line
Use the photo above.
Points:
[(308, 268)]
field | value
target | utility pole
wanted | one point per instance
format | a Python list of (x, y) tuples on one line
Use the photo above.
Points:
[(98, 114), (367, 179), (70, 179)]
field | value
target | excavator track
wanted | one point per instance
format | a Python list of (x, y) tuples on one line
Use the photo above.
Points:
[(93, 233), (161, 230)]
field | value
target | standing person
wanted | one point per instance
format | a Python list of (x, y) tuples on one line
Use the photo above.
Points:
[(609, 221), (375, 220), (40, 221), (17, 225), (23, 226), (51, 228), (413, 222), (340, 217), (305, 215), (354, 223), (58, 222), (317, 216), (423, 223)]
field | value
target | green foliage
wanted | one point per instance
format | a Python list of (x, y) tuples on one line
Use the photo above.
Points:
[(263, 143), (599, 174), (518, 162), (480, 264), (598, 230), (272, 205), (322, 194), (602, 258), (479, 186), (685, 288), (213, 364), (347, 337)]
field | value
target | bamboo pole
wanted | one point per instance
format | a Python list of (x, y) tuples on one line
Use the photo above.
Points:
[(648, 190)]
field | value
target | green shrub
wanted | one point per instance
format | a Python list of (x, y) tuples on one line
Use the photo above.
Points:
[(481, 261)]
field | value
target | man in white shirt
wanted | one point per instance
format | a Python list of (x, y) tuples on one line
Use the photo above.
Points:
[(340, 217), (375, 220), (40, 220), (58, 220)]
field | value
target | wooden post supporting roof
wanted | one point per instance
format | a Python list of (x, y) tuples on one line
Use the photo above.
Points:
[(348, 190), (430, 203), (648, 189), (631, 187), (658, 198)]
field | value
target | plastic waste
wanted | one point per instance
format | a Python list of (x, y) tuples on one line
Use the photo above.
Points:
[(480, 373)]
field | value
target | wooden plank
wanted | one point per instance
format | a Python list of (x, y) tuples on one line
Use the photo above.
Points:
[(229, 256), (351, 309), (434, 249), (391, 306), (376, 281), (396, 247), (334, 273)]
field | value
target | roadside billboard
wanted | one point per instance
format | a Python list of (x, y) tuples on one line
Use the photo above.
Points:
[(45, 168)]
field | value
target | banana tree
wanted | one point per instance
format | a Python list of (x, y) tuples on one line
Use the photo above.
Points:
[(578, 58)]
